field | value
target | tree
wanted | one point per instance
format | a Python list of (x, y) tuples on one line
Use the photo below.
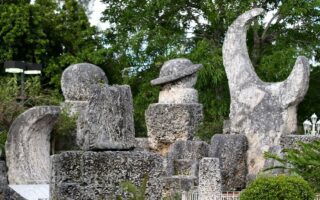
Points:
[(53, 35), (144, 34), (304, 161)]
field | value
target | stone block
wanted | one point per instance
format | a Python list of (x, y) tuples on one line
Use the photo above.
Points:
[(98, 175), (209, 179), (77, 79), (107, 123), (167, 123), (184, 155), (231, 151), (176, 184), (291, 141)]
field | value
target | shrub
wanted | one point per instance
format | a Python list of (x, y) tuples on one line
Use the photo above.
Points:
[(280, 187), (304, 161)]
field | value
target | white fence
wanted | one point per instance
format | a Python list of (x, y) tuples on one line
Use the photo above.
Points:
[(193, 195)]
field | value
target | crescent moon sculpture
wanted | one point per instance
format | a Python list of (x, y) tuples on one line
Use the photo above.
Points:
[(28, 146), (262, 111)]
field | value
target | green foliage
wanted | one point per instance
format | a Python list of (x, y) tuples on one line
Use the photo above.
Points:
[(304, 161), (66, 123), (136, 193), (3, 139), (10, 107), (280, 187), (55, 35), (143, 34)]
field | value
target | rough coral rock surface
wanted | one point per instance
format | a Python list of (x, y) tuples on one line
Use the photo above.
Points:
[(232, 153), (98, 175), (182, 165), (167, 123), (107, 123), (77, 79), (261, 111), (291, 141), (209, 179), (28, 145)]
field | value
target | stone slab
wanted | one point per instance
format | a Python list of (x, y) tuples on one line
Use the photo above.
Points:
[(232, 153), (28, 145), (167, 123), (291, 141), (209, 179), (107, 123), (97, 175)]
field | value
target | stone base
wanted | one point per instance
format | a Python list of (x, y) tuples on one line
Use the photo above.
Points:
[(167, 123), (290, 141), (98, 175), (176, 184), (231, 151)]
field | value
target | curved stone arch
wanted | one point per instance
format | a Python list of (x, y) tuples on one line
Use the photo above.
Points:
[(28, 145)]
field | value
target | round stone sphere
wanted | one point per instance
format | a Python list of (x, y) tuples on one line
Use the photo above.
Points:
[(77, 79)]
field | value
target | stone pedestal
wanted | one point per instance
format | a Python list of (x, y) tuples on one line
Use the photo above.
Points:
[(97, 175), (231, 151), (167, 123), (209, 179), (107, 123)]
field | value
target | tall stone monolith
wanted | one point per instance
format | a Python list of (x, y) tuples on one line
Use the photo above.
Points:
[(262, 111)]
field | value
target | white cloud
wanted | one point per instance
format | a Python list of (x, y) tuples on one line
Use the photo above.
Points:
[(97, 8)]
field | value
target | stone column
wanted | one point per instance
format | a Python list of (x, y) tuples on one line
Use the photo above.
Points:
[(209, 179)]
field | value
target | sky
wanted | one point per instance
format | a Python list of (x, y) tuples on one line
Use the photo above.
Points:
[(97, 7)]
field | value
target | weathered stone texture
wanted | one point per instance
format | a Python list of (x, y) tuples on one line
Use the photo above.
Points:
[(291, 141), (3, 179), (231, 151), (28, 145), (209, 179), (107, 123), (183, 157), (77, 79), (142, 144), (261, 111), (178, 96), (176, 69), (97, 175), (167, 123), (182, 166)]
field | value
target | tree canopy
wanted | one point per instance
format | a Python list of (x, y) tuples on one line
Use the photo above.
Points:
[(143, 34)]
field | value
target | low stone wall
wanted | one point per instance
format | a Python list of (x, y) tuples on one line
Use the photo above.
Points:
[(98, 175), (291, 141)]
